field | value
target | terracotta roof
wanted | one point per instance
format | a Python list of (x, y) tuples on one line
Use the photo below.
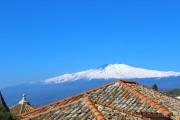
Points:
[(22, 107), (98, 115), (116, 100)]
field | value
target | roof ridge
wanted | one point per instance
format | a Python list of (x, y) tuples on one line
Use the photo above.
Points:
[(48, 111), (24, 106), (129, 81), (65, 99), (53, 103), (148, 100), (93, 108), (21, 109)]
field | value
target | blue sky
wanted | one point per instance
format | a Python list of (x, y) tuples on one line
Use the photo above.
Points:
[(44, 38)]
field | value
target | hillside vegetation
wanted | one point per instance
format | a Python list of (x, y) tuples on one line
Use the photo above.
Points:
[(5, 115), (175, 92)]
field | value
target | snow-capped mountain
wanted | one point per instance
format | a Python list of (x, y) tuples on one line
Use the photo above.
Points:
[(112, 71), (70, 84)]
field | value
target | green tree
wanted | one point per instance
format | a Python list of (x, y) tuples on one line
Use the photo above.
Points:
[(155, 87), (4, 114)]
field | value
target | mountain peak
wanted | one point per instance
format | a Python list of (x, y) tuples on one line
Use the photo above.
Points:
[(112, 71), (117, 66)]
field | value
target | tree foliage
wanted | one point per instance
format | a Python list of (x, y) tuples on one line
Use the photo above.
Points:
[(155, 87), (5, 115)]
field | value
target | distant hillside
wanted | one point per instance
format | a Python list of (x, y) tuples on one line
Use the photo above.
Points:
[(41, 94), (175, 92)]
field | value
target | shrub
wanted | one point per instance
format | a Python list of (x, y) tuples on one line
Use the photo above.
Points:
[(5, 115)]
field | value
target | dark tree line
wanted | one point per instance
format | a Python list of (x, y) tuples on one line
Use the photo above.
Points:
[(155, 87)]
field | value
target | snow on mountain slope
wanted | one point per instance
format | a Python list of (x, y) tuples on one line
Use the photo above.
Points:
[(112, 71), (178, 97)]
